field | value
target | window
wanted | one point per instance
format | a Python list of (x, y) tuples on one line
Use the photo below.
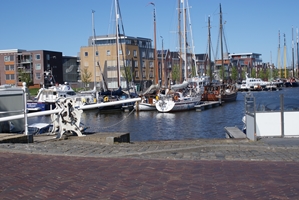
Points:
[(143, 74), (143, 54), (37, 76), (136, 74), (97, 53), (8, 58), (9, 67), (10, 77), (38, 66), (151, 64), (120, 52), (151, 74), (85, 53), (143, 64), (136, 63), (151, 54), (128, 63), (135, 53), (48, 57), (128, 52), (108, 53), (37, 57)]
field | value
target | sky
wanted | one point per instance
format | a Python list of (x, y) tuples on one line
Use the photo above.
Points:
[(65, 25)]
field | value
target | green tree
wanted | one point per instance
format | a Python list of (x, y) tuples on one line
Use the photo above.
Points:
[(221, 73), (253, 73), (175, 73), (25, 77), (243, 75), (275, 73), (85, 76), (234, 75)]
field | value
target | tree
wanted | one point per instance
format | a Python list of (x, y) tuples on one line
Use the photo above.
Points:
[(25, 77), (85, 76), (243, 73), (253, 73), (175, 73), (234, 75), (127, 74)]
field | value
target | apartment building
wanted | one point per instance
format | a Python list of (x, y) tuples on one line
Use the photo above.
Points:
[(43, 67), (135, 55)]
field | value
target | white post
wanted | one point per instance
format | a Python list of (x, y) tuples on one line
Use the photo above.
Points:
[(25, 109)]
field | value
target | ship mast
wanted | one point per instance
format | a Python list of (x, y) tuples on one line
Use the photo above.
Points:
[(293, 60), (117, 43), (221, 45), (278, 56), (180, 41), (93, 43), (209, 54), (185, 42)]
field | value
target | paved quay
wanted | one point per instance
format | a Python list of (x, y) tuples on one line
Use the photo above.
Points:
[(188, 169)]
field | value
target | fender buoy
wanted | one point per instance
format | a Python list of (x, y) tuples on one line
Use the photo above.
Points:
[(106, 99), (83, 100), (176, 98), (157, 97)]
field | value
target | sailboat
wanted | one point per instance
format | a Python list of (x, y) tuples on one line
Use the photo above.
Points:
[(183, 96), (149, 98), (119, 94), (217, 91)]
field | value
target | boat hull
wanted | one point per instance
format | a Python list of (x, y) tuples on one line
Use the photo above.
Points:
[(172, 106)]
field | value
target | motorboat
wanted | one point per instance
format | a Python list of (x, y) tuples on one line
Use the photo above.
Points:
[(47, 97)]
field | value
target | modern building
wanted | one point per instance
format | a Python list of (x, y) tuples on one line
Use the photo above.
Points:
[(41, 66), (100, 58)]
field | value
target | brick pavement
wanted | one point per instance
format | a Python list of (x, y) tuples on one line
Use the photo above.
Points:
[(197, 169)]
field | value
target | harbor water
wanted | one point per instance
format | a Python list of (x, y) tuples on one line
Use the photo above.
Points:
[(152, 125)]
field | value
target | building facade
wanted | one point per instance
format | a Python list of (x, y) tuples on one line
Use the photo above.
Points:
[(135, 57), (43, 67)]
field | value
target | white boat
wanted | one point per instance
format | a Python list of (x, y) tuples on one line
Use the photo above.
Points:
[(40, 128), (148, 99), (177, 102), (47, 97), (253, 84)]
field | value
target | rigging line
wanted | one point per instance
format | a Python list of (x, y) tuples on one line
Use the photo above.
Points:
[(119, 121), (111, 13), (224, 39)]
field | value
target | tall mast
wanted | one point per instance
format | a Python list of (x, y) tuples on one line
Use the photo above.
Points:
[(221, 45), (278, 56), (191, 36), (297, 54), (293, 60), (117, 43), (209, 46), (93, 43), (180, 41), (155, 47), (185, 42), (285, 56)]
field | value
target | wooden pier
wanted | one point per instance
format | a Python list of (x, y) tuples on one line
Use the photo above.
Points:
[(207, 104)]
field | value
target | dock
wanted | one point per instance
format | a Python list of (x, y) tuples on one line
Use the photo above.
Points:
[(207, 104), (234, 132)]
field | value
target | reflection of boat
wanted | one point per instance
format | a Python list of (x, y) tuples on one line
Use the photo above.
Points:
[(47, 97)]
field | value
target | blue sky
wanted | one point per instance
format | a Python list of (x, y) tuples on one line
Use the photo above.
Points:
[(65, 25)]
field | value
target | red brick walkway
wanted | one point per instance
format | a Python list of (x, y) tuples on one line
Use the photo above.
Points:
[(25, 176)]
